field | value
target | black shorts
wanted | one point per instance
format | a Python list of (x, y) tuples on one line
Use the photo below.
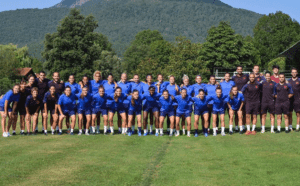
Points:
[(291, 108), (253, 108), (296, 106), (282, 108), (21, 111), (268, 107)]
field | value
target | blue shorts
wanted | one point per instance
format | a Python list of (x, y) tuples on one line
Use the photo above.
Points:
[(133, 112), (2, 109), (85, 112), (68, 112), (218, 112), (164, 113), (99, 110), (120, 111), (200, 112), (151, 109), (179, 114)]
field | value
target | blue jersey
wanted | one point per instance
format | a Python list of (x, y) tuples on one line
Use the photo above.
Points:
[(172, 90), (183, 104), (84, 103), (116, 105), (151, 101), (109, 88), (162, 86), (218, 103), (99, 102), (137, 107), (211, 91), (226, 86), (74, 87), (33, 104), (189, 90), (137, 86), (94, 86), (67, 103), (166, 105), (198, 87), (200, 104), (146, 87), (10, 97), (126, 87), (236, 101)]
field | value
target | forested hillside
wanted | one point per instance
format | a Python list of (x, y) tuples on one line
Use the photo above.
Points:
[(121, 20)]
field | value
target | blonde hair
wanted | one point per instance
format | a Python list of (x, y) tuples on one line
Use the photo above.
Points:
[(185, 77), (97, 72)]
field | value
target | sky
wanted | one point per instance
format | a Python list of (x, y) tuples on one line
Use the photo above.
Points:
[(290, 7)]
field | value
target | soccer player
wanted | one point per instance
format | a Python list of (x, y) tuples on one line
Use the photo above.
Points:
[(161, 84), (59, 85), (275, 76), (166, 109), (12, 96), (211, 91), (50, 105), (95, 83), (200, 110), (295, 100), (115, 104), (21, 108), (84, 107), (134, 109), (267, 101), (183, 110), (282, 91), (67, 108), (227, 84), (199, 85), (99, 107), (137, 84), (110, 85), (73, 85), (240, 79), (151, 106), (258, 77), (235, 104), (32, 106), (218, 108), (252, 92)]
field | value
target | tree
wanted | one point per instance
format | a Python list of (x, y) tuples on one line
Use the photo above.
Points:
[(140, 49), (185, 60), (273, 34), (280, 61), (224, 48), (75, 46), (109, 63)]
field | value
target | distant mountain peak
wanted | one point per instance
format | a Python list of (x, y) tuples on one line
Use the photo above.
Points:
[(71, 3)]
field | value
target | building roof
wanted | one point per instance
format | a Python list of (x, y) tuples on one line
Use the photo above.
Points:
[(291, 52), (24, 71)]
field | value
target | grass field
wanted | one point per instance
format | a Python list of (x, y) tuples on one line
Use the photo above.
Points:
[(263, 159)]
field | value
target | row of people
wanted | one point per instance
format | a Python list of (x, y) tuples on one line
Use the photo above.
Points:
[(97, 97)]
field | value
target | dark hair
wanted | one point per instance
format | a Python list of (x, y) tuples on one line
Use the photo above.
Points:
[(159, 75), (151, 87), (227, 73), (198, 76), (166, 91), (110, 74), (171, 76), (255, 66), (218, 87), (282, 74), (34, 89), (72, 75), (68, 87), (268, 72), (231, 93), (294, 69), (212, 76), (42, 72), (183, 89), (239, 66), (132, 99), (30, 76), (101, 87), (275, 66), (81, 95), (115, 96)]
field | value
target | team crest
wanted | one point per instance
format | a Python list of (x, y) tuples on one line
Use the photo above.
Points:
[(258, 79), (297, 83), (285, 87), (256, 86), (244, 77), (271, 84)]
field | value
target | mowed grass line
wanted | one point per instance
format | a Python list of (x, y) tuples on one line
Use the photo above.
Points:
[(264, 159)]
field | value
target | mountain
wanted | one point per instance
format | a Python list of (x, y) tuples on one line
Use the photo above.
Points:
[(121, 20), (70, 3)]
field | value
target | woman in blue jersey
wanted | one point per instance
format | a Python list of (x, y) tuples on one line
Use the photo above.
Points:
[(235, 104), (134, 109), (115, 104), (99, 107), (151, 106), (190, 92), (95, 83), (183, 110), (32, 105), (211, 91), (50, 106), (166, 109), (219, 102), (67, 107), (12, 96), (200, 110), (85, 83), (84, 108), (73, 85)]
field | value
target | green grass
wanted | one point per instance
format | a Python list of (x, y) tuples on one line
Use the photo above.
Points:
[(263, 159)]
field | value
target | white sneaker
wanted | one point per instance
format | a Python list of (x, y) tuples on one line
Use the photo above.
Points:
[(87, 134), (272, 132), (188, 135), (215, 134), (98, 132), (79, 133), (4, 134), (176, 134), (223, 134), (263, 131)]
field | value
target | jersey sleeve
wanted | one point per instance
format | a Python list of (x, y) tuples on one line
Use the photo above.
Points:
[(243, 90), (275, 90), (45, 98), (27, 101), (60, 100), (242, 97), (290, 89)]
